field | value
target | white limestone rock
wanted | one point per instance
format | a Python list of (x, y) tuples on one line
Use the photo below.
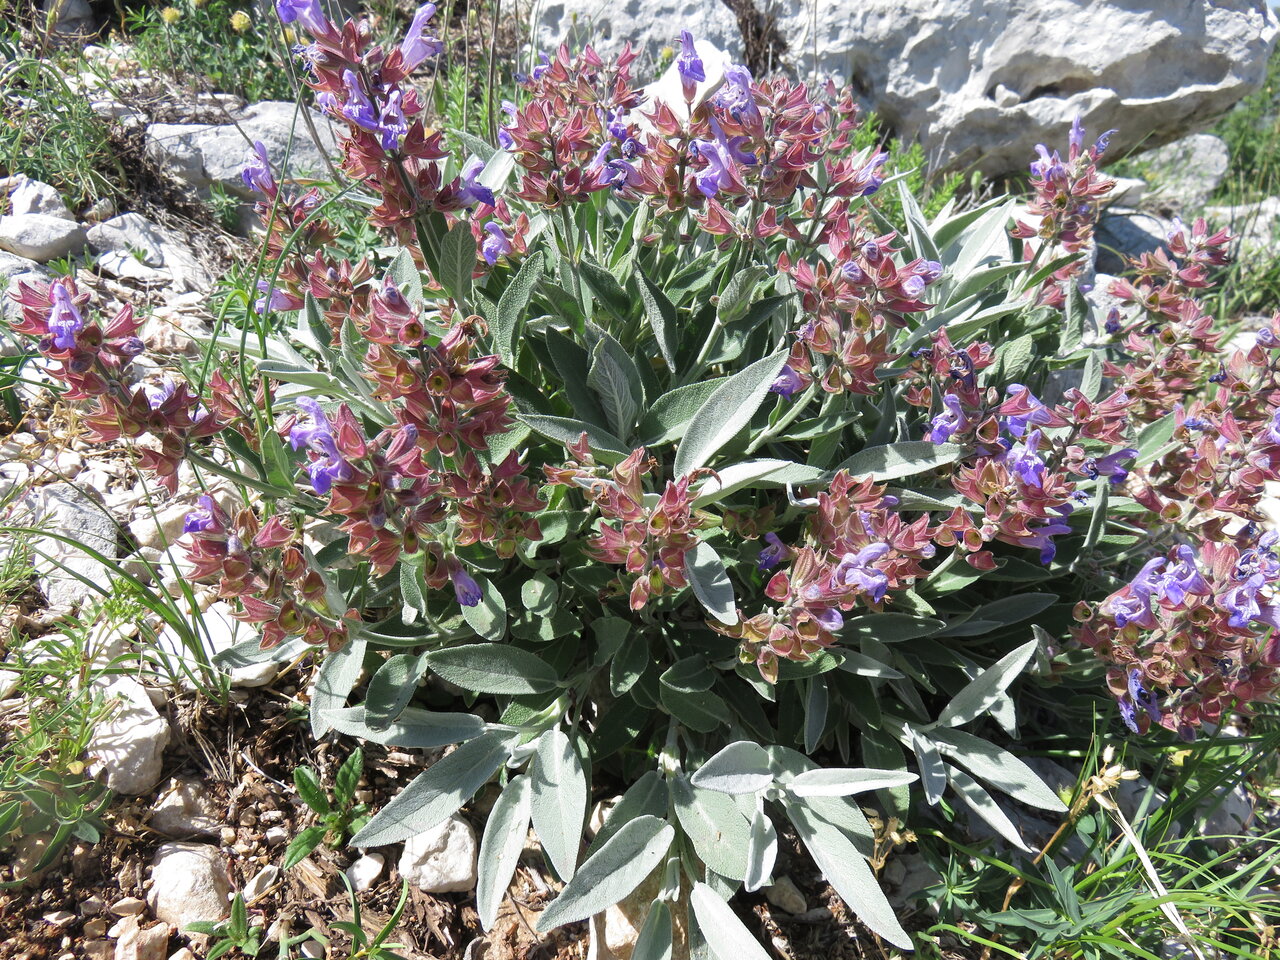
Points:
[(127, 749), (981, 82), (33, 196), (1184, 173), (185, 809), (64, 570), (189, 884), (442, 860), (132, 247)]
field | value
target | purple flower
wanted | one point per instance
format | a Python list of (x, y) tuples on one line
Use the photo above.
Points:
[(622, 174), (415, 47), (688, 63), (1142, 697), (315, 433), (829, 618), (931, 270), (201, 518), (913, 286), (1273, 427), (1128, 714), (472, 190), (870, 173), (1267, 340), (1242, 602), (1104, 140), (871, 250), (1042, 537), (1136, 607), (1025, 462), (787, 383), (64, 320), (257, 172), (358, 108), (1112, 326), (1109, 466), (541, 71), (159, 393), (272, 298), (735, 96), (1076, 138), (132, 347), (854, 569), (1049, 166), (853, 273), (465, 587), (495, 244), (392, 123), (505, 140), (1181, 578), (306, 12), (711, 178), (1038, 414), (947, 424), (773, 554)]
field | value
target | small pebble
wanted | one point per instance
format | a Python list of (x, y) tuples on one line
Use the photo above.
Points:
[(785, 895), (276, 835), (60, 918), (92, 906), (262, 881), (312, 949), (228, 835), (128, 907), (95, 928)]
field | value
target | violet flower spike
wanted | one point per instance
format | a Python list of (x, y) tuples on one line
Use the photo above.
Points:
[(949, 422), (496, 244), (307, 13), (465, 587), (200, 519), (773, 554), (64, 320), (256, 174), (415, 48), (688, 63), (854, 569)]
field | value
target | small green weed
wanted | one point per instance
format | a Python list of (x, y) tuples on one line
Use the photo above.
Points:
[(339, 818)]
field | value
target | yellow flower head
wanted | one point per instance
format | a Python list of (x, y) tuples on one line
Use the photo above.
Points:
[(170, 15), (240, 21)]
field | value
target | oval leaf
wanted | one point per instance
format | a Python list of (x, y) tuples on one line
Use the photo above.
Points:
[(710, 582), (741, 767), (559, 800), (504, 838), (493, 668), (413, 728), (985, 689), (844, 781), (611, 872), (726, 411), (727, 937)]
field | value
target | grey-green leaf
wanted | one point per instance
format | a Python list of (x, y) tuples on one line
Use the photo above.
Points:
[(741, 767), (727, 937), (762, 851), (504, 837), (985, 689), (414, 727), (391, 689), (457, 259), (844, 781), (337, 676), (512, 306), (559, 800), (488, 618), (661, 314), (710, 582), (903, 459), (999, 768), (654, 941), (611, 872), (844, 868), (982, 803), (434, 795), (714, 825), (725, 412), (493, 668)]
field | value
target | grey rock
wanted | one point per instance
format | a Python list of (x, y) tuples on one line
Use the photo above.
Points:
[(442, 860), (260, 883), (74, 17), (218, 631), (1129, 234), (185, 809), (1252, 225), (201, 155), (63, 569), (981, 82), (40, 237), (1183, 174), (1128, 191), (1228, 815), (127, 749), (785, 895), (132, 247), (189, 884), (33, 196)]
